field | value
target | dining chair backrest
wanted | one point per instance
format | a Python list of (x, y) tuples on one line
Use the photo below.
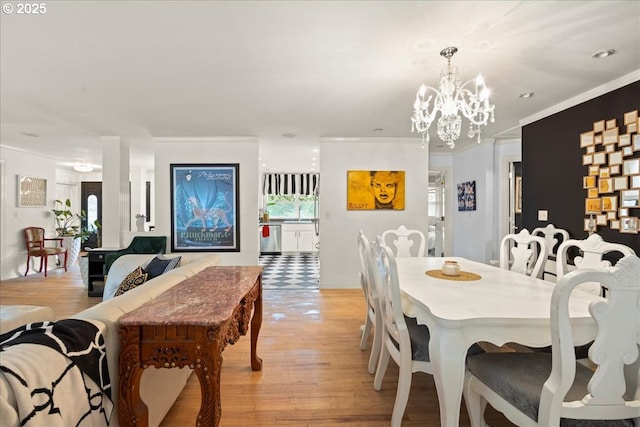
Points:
[(373, 318), (405, 242), (545, 388), (592, 250), (553, 237), (522, 253)]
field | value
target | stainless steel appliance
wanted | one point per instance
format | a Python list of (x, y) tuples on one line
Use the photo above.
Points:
[(270, 240)]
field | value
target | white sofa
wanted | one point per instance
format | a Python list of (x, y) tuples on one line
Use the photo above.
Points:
[(159, 388)]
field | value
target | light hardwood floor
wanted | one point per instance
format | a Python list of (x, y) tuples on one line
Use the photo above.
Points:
[(314, 373)]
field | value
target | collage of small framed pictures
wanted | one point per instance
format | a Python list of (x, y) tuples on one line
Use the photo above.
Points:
[(612, 182)]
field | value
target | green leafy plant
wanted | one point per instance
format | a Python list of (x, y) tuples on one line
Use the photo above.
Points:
[(68, 224)]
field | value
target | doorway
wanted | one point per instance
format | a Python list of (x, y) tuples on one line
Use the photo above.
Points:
[(437, 241), (91, 204)]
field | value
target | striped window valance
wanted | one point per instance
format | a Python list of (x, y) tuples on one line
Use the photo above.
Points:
[(290, 183)]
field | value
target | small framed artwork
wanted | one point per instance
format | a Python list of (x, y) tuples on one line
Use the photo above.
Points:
[(631, 167), (620, 183), (610, 136), (615, 158), (587, 159), (610, 124), (594, 170), (624, 140), (598, 139), (630, 199), (589, 182), (598, 126), (612, 215), (632, 128), (629, 225), (591, 149), (615, 170), (586, 139), (605, 185), (614, 224), (592, 193), (636, 142), (623, 212), (627, 151), (605, 172), (610, 148), (635, 181), (32, 192), (375, 190), (601, 219), (600, 158), (467, 196), (593, 205), (631, 117), (610, 204), (204, 207), (518, 195)]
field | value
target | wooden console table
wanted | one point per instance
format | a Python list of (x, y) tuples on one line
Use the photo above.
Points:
[(189, 325)]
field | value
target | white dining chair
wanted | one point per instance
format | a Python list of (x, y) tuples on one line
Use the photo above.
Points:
[(523, 253), (373, 317), (537, 389), (553, 236), (405, 242), (402, 339), (592, 251)]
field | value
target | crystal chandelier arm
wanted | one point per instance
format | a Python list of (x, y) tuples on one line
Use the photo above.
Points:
[(475, 105), (422, 117)]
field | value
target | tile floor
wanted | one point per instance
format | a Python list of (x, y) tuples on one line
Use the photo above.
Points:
[(299, 271)]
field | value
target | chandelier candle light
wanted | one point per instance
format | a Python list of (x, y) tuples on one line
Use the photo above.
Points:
[(451, 100)]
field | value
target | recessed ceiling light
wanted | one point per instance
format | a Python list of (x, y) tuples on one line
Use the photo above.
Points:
[(82, 167), (315, 150), (289, 135), (603, 53), (526, 95), (378, 130), (264, 164), (31, 135)]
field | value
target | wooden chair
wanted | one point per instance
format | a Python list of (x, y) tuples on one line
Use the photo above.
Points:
[(523, 253), (537, 389), (373, 318), (402, 338), (553, 237), (592, 251), (35, 242), (406, 242)]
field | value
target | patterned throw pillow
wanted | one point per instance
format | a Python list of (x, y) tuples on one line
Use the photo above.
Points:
[(134, 279), (158, 266)]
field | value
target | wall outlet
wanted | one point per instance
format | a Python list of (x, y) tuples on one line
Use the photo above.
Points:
[(543, 215)]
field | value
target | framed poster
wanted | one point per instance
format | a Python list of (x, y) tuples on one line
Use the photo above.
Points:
[(467, 196), (204, 208), (373, 190), (32, 192)]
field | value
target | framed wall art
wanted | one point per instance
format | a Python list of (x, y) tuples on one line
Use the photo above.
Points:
[(204, 207), (32, 192), (467, 196), (376, 189)]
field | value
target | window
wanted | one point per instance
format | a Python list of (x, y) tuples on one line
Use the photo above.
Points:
[(291, 206)]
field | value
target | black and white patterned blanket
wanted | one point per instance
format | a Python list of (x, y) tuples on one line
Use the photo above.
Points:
[(55, 374)]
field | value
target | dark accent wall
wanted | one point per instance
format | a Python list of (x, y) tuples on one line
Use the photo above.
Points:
[(552, 168)]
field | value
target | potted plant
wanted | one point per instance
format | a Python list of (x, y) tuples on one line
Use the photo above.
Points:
[(69, 227)]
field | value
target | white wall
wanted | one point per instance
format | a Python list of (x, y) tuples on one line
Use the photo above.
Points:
[(339, 262), (14, 253), (244, 152)]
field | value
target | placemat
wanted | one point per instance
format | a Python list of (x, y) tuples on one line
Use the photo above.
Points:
[(465, 276)]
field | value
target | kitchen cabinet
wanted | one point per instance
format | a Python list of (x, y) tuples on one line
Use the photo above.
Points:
[(298, 238)]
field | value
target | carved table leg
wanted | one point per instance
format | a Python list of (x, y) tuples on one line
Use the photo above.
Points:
[(132, 409), (207, 368), (256, 323)]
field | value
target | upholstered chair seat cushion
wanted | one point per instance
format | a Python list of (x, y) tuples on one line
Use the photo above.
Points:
[(46, 250), (519, 378)]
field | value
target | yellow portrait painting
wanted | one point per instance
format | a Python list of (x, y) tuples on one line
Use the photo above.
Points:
[(371, 190)]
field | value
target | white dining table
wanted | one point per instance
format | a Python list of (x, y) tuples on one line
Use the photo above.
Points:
[(500, 307)]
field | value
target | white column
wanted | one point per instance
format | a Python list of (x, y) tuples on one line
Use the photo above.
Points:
[(115, 190)]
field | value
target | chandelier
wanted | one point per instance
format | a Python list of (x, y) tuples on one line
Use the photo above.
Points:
[(452, 100)]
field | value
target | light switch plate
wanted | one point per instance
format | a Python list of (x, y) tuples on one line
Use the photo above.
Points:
[(543, 215)]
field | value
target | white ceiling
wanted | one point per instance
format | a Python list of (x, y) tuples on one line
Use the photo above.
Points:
[(316, 69)]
